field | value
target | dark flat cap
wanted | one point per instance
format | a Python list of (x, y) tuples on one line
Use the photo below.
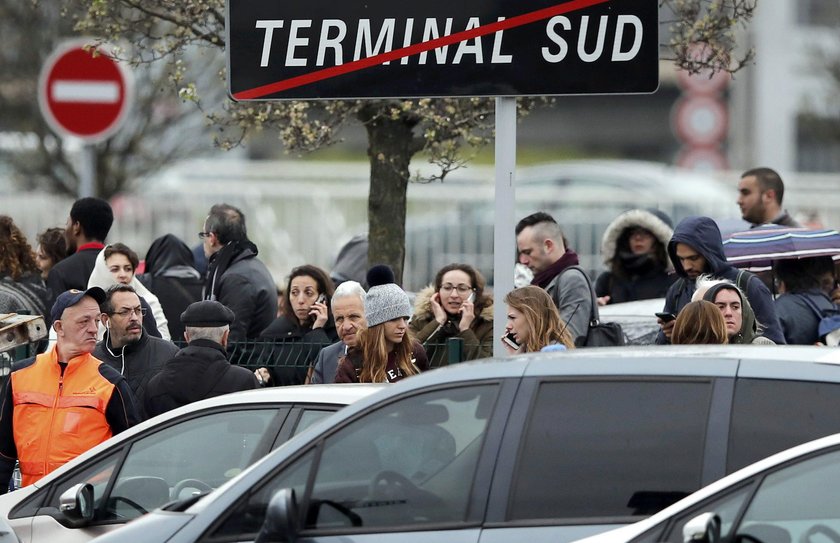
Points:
[(207, 314)]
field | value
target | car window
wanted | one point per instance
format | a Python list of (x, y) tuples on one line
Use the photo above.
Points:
[(726, 506), (799, 502), (193, 455), (310, 417), (610, 448), (769, 416), (411, 462)]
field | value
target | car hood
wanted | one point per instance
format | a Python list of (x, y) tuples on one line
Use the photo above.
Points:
[(155, 526)]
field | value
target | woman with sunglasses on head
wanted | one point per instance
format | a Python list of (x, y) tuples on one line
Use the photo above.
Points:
[(117, 263), (454, 306)]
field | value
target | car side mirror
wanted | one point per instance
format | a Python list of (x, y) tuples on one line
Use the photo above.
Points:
[(281, 518), (704, 528), (76, 504)]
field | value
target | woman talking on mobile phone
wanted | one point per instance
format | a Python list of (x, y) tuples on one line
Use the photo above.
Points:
[(533, 323), (454, 306), (306, 320)]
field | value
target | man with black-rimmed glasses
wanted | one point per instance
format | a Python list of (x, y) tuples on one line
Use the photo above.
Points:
[(126, 346)]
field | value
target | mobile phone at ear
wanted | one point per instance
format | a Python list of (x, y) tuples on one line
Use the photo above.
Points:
[(666, 317), (321, 298), (510, 339), (471, 297)]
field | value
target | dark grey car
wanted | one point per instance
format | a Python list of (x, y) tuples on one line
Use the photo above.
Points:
[(549, 447)]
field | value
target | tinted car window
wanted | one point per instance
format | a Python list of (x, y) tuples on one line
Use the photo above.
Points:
[(799, 502), (607, 448), (773, 415), (412, 462)]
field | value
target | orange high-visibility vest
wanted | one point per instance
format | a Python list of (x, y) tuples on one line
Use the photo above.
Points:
[(58, 417)]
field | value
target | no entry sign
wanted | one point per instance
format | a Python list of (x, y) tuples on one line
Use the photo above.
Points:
[(383, 48), (84, 92)]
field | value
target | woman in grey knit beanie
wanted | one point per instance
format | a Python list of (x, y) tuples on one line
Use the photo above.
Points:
[(386, 352)]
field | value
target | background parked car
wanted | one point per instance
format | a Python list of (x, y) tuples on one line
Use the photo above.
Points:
[(191, 449), (545, 447), (791, 496)]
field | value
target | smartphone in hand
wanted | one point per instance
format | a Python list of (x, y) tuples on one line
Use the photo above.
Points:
[(666, 317), (510, 339), (471, 297)]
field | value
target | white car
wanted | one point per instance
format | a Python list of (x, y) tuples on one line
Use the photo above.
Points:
[(189, 450), (793, 495)]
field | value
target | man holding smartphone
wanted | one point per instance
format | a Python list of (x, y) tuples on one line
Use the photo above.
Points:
[(696, 249)]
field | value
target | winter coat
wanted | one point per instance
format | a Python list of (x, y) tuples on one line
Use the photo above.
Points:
[(799, 322), (703, 235), (27, 294), (73, 271), (300, 348), (639, 277), (198, 371), (239, 280), (170, 274), (478, 338), (101, 277), (137, 362)]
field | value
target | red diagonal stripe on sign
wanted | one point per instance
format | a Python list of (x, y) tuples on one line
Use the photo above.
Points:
[(396, 54)]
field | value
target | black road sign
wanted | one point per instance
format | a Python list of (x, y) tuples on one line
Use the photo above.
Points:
[(279, 49)]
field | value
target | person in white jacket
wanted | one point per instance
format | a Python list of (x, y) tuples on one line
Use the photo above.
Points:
[(116, 263)]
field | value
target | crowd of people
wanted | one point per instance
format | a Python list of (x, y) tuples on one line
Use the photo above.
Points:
[(113, 317)]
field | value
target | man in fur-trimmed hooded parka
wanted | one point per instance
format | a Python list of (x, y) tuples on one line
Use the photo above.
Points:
[(634, 251)]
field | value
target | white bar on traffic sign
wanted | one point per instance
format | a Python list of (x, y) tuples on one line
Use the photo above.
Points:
[(98, 92)]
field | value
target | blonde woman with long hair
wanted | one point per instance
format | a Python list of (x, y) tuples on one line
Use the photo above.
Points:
[(386, 353), (533, 322)]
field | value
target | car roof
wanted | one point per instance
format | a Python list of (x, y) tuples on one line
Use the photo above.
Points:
[(331, 394)]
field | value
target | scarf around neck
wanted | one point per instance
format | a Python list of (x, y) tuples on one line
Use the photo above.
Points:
[(543, 278)]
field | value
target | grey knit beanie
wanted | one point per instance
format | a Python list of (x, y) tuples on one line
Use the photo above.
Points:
[(384, 303)]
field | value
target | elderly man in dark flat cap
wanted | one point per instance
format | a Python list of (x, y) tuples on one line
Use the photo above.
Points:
[(201, 369)]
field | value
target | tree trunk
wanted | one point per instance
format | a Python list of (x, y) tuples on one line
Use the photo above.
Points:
[(390, 148)]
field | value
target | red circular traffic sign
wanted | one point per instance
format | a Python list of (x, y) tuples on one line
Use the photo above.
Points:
[(84, 93)]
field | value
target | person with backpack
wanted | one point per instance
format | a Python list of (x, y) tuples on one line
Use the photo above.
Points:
[(696, 249), (804, 301)]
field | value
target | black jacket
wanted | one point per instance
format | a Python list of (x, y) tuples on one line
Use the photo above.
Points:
[(171, 275), (72, 272), (239, 280), (137, 362), (198, 371), (297, 350), (703, 235)]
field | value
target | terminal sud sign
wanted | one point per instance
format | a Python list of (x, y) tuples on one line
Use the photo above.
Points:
[(381, 48)]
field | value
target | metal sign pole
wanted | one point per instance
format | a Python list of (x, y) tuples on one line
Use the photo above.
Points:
[(87, 172), (504, 240)]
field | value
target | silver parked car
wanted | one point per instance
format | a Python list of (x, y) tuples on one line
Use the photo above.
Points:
[(791, 496), (189, 450), (544, 447)]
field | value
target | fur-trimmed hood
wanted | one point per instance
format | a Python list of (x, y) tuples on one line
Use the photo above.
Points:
[(423, 304), (654, 221)]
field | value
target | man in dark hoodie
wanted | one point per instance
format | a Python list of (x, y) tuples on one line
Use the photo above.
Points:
[(170, 274), (235, 276), (696, 249), (126, 347), (201, 369)]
